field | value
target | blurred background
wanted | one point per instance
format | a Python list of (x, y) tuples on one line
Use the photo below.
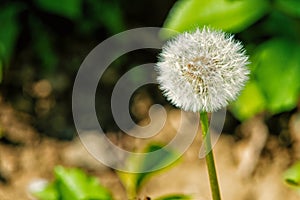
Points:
[(43, 43)]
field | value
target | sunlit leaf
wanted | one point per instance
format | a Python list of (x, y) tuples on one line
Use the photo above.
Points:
[(67, 8), (74, 184), (289, 6), (277, 73), (292, 175), (250, 102), (228, 15)]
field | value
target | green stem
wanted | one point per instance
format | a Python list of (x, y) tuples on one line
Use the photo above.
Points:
[(214, 185)]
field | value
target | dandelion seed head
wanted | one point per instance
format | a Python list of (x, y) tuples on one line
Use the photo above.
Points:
[(202, 70)]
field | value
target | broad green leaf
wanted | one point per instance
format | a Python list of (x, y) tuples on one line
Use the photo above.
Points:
[(134, 181), (50, 192), (175, 197), (67, 8), (250, 102), (9, 29), (291, 7), (74, 184), (277, 72), (228, 15), (292, 175), (154, 162)]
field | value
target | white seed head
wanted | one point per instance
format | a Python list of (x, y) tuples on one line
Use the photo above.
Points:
[(202, 70)]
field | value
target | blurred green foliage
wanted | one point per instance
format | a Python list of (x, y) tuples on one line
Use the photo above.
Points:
[(31, 18), (291, 7), (271, 32), (277, 69), (73, 184), (67, 8), (8, 38)]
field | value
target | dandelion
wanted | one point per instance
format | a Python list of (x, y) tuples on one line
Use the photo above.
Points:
[(203, 71)]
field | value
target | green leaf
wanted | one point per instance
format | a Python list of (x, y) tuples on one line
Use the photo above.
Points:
[(228, 15), (134, 181), (43, 45), (10, 29), (129, 182), (50, 192), (278, 24), (107, 13), (74, 184), (250, 102), (274, 84), (153, 162), (291, 7), (68, 8), (277, 72), (292, 175), (175, 197)]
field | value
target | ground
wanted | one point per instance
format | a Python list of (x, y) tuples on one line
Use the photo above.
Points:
[(250, 162)]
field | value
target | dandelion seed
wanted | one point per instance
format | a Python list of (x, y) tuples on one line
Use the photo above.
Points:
[(202, 70)]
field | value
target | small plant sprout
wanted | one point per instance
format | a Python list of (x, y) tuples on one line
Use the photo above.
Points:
[(202, 71)]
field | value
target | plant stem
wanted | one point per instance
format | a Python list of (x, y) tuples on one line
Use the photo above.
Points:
[(214, 185)]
